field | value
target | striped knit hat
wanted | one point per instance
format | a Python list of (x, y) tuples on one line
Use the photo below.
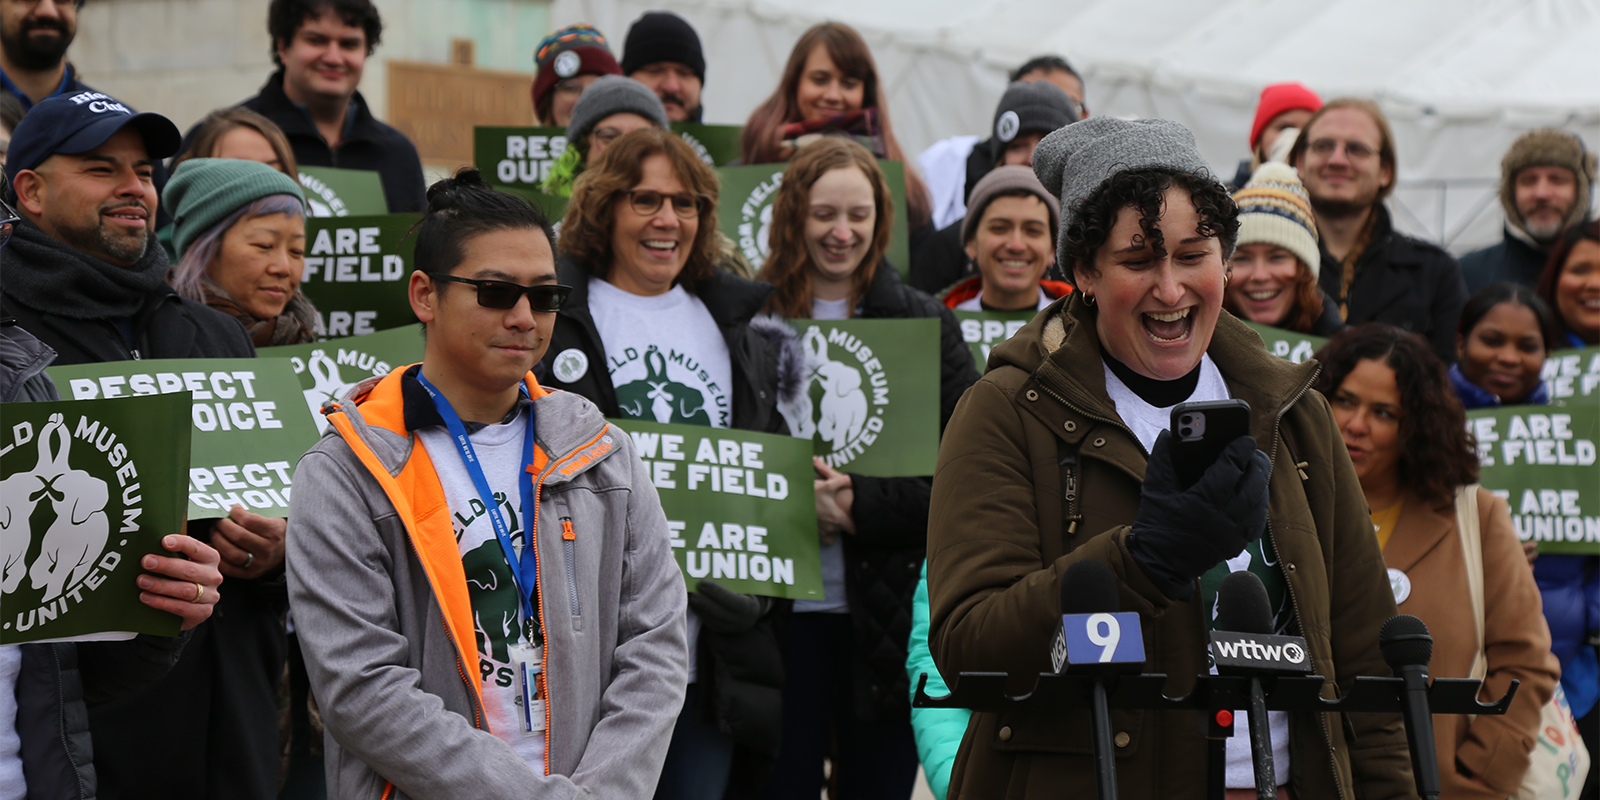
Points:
[(1274, 209)]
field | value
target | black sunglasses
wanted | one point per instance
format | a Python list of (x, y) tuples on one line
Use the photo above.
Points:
[(543, 298), (8, 222)]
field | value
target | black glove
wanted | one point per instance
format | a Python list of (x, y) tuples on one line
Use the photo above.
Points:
[(724, 611), (1181, 534)]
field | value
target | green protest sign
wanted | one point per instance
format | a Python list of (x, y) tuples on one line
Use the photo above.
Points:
[(334, 192), (744, 210), (871, 399), (717, 145), (328, 370), (1541, 459), (1572, 373), (554, 208), (89, 488), (250, 426), (982, 330), (739, 505), (517, 155), (356, 273), (1287, 345)]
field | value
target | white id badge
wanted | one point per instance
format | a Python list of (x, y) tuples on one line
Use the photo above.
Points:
[(528, 663)]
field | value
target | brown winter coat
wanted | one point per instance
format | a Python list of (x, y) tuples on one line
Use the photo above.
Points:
[(1008, 519), (1426, 547)]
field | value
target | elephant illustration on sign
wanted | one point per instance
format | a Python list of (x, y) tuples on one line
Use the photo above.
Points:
[(839, 410), (73, 542)]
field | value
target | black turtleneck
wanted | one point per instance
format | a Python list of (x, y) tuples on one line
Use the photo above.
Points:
[(1160, 394)]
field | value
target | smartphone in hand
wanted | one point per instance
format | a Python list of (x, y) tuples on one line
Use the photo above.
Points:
[(1200, 432)]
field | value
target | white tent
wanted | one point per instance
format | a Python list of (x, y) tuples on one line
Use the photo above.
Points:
[(1459, 79)]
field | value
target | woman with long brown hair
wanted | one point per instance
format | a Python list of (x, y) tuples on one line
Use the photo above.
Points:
[(240, 133), (844, 657), (830, 87)]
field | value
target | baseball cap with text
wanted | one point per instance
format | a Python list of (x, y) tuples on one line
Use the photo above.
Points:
[(80, 122)]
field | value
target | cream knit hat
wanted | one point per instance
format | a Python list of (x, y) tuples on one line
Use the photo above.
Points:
[(1274, 209)]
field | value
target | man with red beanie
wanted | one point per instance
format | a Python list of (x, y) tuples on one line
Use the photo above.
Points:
[(1282, 105), (568, 60)]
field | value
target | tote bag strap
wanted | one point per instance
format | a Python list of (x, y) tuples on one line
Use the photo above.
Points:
[(1470, 529)]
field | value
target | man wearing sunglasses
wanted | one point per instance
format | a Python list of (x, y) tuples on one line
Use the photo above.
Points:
[(481, 573)]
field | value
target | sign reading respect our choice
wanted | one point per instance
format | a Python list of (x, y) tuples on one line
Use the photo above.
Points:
[(1542, 460), (334, 192), (1285, 344), (1572, 373), (982, 330), (248, 416), (329, 370), (739, 506), (356, 272), (744, 210), (870, 402), (522, 156), (88, 488)]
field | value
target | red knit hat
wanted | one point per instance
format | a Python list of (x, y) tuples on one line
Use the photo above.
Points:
[(1278, 98), (591, 55)]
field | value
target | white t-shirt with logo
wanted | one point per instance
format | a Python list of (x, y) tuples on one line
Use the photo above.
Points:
[(497, 618), (666, 355), (1147, 422), (834, 600)]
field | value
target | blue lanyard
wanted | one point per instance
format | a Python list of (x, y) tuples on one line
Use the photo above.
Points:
[(524, 570)]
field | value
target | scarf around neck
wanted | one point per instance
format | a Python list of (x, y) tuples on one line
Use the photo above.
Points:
[(296, 325), (44, 273)]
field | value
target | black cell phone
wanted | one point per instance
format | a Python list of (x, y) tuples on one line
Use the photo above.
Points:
[(1200, 432)]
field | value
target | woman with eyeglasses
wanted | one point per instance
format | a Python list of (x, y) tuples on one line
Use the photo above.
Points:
[(653, 331), (609, 108)]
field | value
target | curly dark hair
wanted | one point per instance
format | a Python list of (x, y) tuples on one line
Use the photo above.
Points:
[(1436, 452), (284, 18), (1145, 190)]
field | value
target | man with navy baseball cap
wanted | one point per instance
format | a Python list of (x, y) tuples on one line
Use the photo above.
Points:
[(83, 272)]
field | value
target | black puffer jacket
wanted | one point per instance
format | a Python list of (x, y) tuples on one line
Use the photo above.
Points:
[(367, 144), (743, 672), (883, 560), (1403, 281)]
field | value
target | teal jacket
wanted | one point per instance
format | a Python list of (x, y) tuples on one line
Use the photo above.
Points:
[(938, 730)]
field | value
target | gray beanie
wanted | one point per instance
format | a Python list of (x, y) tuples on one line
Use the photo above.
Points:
[(614, 94), (1032, 107), (999, 181), (1073, 162)]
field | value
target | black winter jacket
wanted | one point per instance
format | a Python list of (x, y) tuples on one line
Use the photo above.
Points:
[(57, 682), (368, 144), (1511, 260), (883, 559), (1403, 281), (168, 326), (742, 673)]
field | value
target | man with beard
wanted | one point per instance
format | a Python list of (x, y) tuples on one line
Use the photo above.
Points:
[(34, 37), (1546, 180), (1346, 158), (663, 52), (321, 49)]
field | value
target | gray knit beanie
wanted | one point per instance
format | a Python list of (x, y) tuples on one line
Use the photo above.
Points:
[(1031, 107), (614, 94), (1002, 180), (204, 191), (1073, 162)]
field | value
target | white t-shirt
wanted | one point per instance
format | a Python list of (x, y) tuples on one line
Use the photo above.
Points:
[(1146, 422), (665, 354), (497, 618), (834, 599), (975, 303), (12, 784)]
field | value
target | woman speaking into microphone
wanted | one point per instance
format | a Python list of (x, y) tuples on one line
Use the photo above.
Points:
[(1060, 454)]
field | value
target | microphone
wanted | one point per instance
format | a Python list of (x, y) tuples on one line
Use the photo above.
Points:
[(1407, 648), (1095, 638), (1243, 644)]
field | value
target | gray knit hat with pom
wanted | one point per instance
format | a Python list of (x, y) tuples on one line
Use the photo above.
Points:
[(1074, 161)]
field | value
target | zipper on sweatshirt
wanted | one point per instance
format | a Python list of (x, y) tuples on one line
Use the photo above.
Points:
[(569, 544)]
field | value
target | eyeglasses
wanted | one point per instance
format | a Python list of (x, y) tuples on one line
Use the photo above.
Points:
[(543, 298), (8, 222), (646, 202), (1355, 151)]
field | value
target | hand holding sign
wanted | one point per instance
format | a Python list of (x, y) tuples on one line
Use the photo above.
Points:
[(835, 498), (250, 545), (189, 587)]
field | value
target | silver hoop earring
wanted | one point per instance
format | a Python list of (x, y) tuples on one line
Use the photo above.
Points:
[(1088, 300)]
